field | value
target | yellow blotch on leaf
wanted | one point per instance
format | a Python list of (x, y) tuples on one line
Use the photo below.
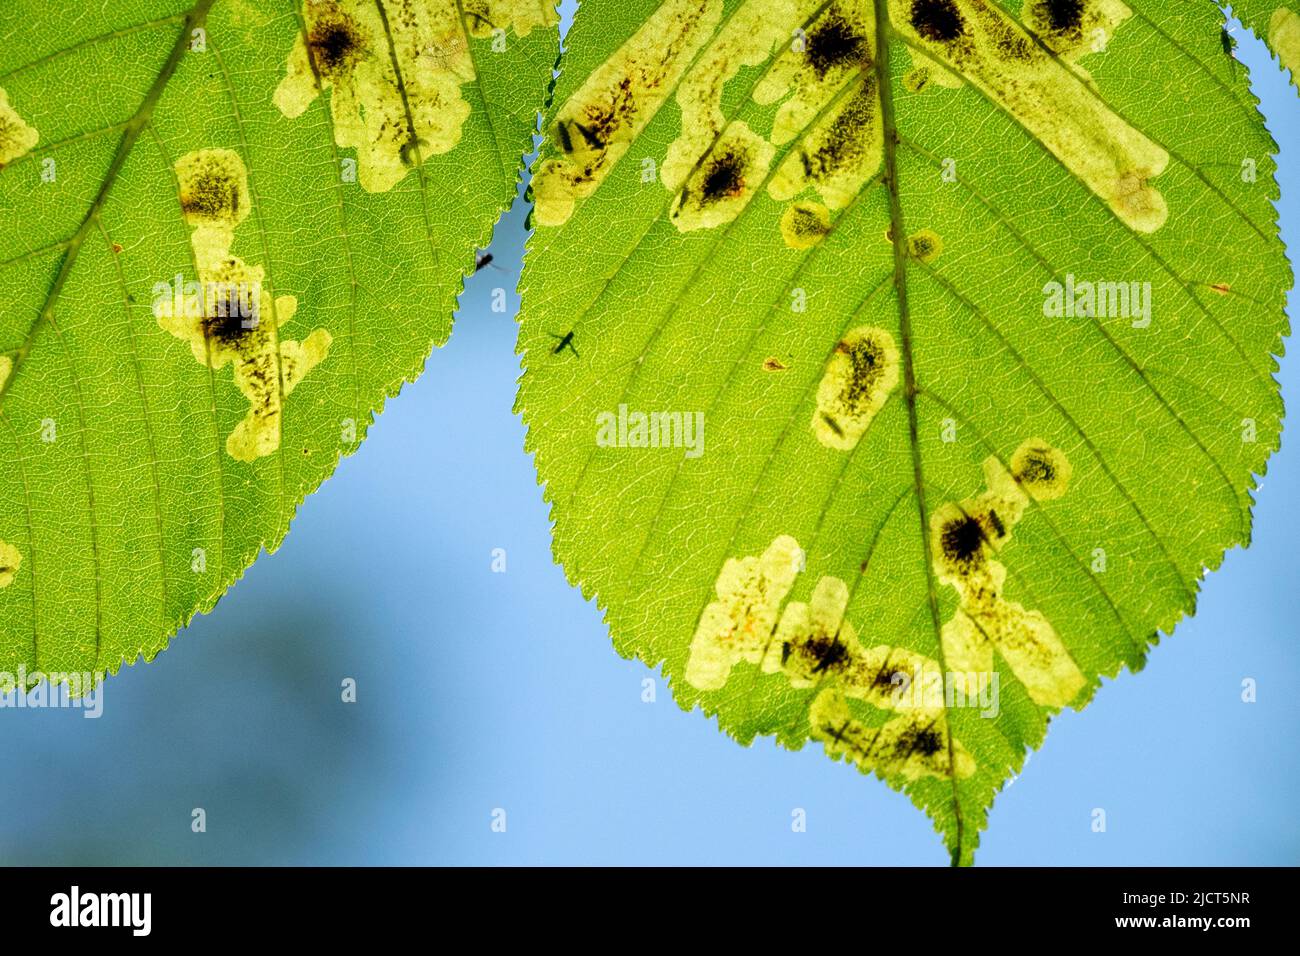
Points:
[(812, 645), (911, 746), (839, 152), (725, 180), (229, 318), (739, 624), (859, 377), (746, 40), (980, 42), (16, 137), (599, 121), (394, 116), (10, 560), (1284, 38), (924, 245), (964, 539), (804, 224), (837, 46)]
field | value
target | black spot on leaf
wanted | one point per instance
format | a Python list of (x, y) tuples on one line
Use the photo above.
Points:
[(962, 540), (866, 361), (848, 138), (336, 43), (724, 178), (827, 653), (919, 740), (937, 20), (1062, 15), (834, 43), (1036, 468)]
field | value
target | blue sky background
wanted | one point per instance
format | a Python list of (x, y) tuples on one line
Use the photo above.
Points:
[(480, 690)]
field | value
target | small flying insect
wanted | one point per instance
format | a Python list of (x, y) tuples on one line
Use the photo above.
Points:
[(1229, 47), (563, 342), (485, 259)]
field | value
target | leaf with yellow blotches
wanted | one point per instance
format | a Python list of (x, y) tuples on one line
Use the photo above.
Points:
[(1025, 316), (231, 231)]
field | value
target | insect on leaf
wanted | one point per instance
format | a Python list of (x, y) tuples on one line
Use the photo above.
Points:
[(925, 357), (228, 232)]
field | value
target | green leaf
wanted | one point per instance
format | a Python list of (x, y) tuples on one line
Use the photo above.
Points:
[(828, 421), (212, 274)]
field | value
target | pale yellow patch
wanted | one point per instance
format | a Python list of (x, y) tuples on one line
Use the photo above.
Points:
[(395, 122), (6, 369), (1055, 104), (912, 746), (812, 645), (804, 224), (1284, 38), (836, 47), (739, 624), (924, 245), (724, 181), (747, 40), (232, 319), (965, 537), (840, 152), (10, 560), (599, 121), (859, 377), (16, 137)]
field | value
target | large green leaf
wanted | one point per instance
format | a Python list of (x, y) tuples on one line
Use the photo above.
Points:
[(859, 247), (149, 452)]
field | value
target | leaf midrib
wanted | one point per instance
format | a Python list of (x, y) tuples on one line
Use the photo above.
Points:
[(898, 238)]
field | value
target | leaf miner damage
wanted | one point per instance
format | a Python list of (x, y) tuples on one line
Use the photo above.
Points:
[(965, 537), (814, 647), (394, 70), (233, 320)]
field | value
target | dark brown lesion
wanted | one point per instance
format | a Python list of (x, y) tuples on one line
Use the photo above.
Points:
[(231, 309), (1036, 468), (230, 331), (826, 653), (212, 195), (962, 542), (938, 20), (866, 366), (806, 223), (834, 42), (336, 42), (918, 741), (724, 177), (849, 137), (1060, 16)]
